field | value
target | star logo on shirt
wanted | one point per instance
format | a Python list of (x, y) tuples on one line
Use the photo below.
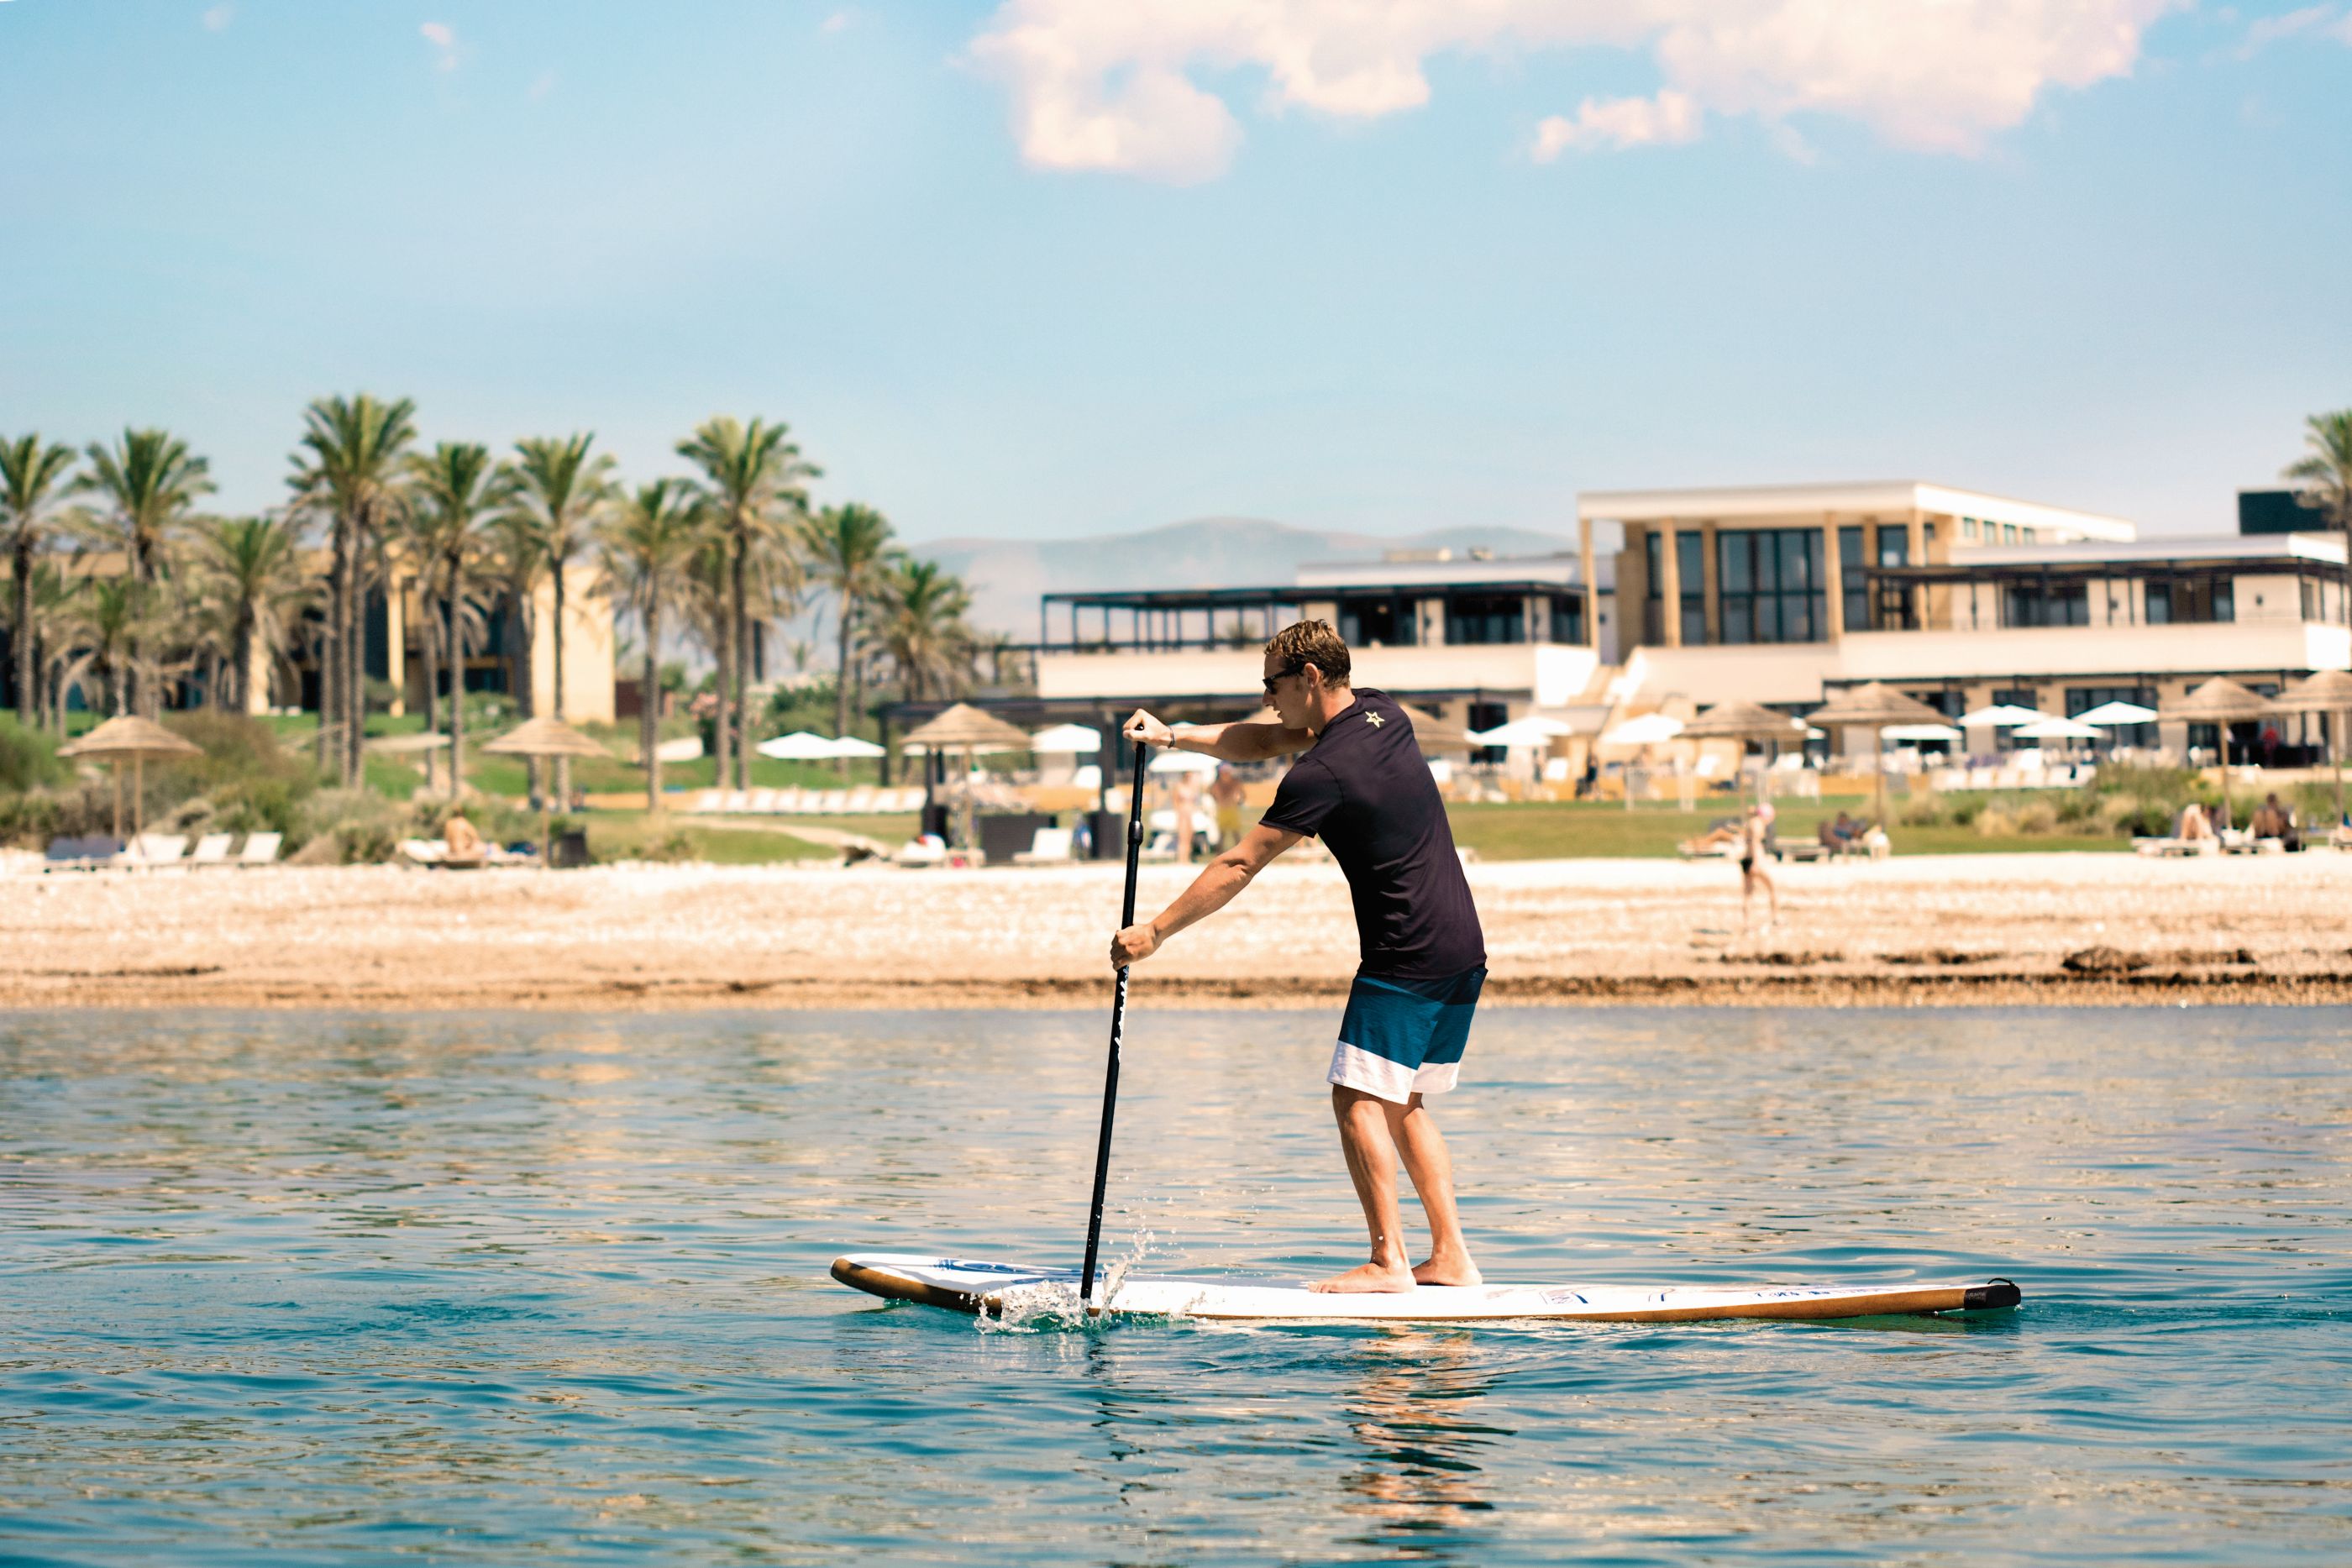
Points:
[(1374, 719)]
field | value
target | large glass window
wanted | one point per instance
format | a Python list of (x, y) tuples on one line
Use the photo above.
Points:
[(2201, 597), (1386, 620), (2081, 700), (1568, 618), (2005, 735), (2043, 604), (1690, 564), (1893, 610), (1485, 618), (1852, 580), (1653, 628), (1772, 584)]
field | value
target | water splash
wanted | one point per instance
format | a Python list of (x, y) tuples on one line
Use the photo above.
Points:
[(1053, 1306)]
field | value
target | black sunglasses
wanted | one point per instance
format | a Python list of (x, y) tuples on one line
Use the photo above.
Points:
[(1282, 676)]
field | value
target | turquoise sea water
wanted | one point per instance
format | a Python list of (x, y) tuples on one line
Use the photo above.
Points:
[(310, 1289)]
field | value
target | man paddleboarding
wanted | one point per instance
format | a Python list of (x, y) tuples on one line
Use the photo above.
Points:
[(1364, 790)]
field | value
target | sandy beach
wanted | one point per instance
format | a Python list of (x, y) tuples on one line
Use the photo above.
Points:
[(2036, 928)]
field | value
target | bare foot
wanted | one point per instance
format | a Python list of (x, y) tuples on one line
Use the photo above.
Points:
[(1366, 1279), (1454, 1269)]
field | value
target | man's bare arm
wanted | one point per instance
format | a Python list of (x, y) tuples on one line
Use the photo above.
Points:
[(1245, 740), (1211, 891)]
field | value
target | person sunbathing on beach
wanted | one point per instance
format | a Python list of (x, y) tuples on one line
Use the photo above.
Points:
[(2272, 821), (2193, 824), (1363, 789)]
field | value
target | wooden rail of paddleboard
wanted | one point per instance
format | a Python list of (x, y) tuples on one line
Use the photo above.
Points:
[(1993, 1293)]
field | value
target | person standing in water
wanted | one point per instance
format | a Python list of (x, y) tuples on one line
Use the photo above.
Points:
[(1364, 790), (1755, 849)]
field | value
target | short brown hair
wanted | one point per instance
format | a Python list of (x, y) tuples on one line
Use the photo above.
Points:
[(1306, 642)]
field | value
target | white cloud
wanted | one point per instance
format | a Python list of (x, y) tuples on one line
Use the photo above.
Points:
[(834, 23), (444, 44), (1119, 86), (1670, 117), (219, 18), (2264, 31)]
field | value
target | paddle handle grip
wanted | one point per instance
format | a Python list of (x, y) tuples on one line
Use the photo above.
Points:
[(1117, 1037)]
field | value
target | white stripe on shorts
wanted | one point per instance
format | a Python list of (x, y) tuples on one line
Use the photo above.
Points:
[(1353, 1068)]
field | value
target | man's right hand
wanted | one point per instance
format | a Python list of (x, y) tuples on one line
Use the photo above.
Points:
[(1149, 730)]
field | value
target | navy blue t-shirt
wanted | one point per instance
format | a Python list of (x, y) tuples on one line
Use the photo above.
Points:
[(1365, 791)]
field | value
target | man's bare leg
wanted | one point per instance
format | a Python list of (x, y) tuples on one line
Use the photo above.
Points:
[(1369, 1145), (1431, 1169)]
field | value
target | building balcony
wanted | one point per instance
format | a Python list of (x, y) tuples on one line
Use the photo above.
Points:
[(1548, 675), (2283, 642)]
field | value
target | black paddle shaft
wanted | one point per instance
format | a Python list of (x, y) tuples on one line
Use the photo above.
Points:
[(1117, 1033)]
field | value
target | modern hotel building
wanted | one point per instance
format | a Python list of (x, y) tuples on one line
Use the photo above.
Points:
[(1780, 595)]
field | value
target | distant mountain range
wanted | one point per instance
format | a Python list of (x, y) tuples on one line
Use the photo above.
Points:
[(1007, 576)]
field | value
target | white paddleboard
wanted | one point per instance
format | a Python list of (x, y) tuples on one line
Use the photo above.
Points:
[(966, 1286)]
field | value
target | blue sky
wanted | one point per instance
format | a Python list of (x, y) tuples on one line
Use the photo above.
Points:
[(1054, 268)]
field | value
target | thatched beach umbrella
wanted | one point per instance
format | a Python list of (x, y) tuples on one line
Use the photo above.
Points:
[(964, 728), (545, 737), (2221, 702), (425, 742), (130, 739), (2328, 692), (1434, 735), (1874, 705), (1746, 721)]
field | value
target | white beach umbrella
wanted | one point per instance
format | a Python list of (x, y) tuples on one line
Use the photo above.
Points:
[(1919, 732), (2108, 714), (2058, 729), (2000, 718), (685, 749), (1183, 762), (851, 747), (1650, 729), (801, 746), (1067, 740), (1533, 731)]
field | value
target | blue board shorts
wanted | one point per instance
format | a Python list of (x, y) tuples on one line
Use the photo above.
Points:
[(1402, 1037)]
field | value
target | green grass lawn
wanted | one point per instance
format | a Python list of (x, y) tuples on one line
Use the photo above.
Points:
[(1580, 831), (627, 835)]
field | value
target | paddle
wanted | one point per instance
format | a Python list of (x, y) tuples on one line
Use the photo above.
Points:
[(1117, 1030)]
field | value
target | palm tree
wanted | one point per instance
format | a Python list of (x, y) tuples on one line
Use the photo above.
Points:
[(56, 610), (454, 492), (115, 617), (849, 552), (32, 480), (646, 548), (2325, 470), (557, 487), (753, 475), (515, 559), (148, 481), (352, 466), (922, 630), (253, 568)]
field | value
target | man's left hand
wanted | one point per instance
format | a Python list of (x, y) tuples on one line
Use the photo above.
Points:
[(1133, 945)]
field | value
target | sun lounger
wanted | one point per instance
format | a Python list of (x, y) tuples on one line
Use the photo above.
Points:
[(2234, 842), (861, 801), (1047, 846), (2161, 847), (212, 850), (86, 853), (154, 851), (260, 848), (790, 801), (424, 851), (762, 802), (833, 801)]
